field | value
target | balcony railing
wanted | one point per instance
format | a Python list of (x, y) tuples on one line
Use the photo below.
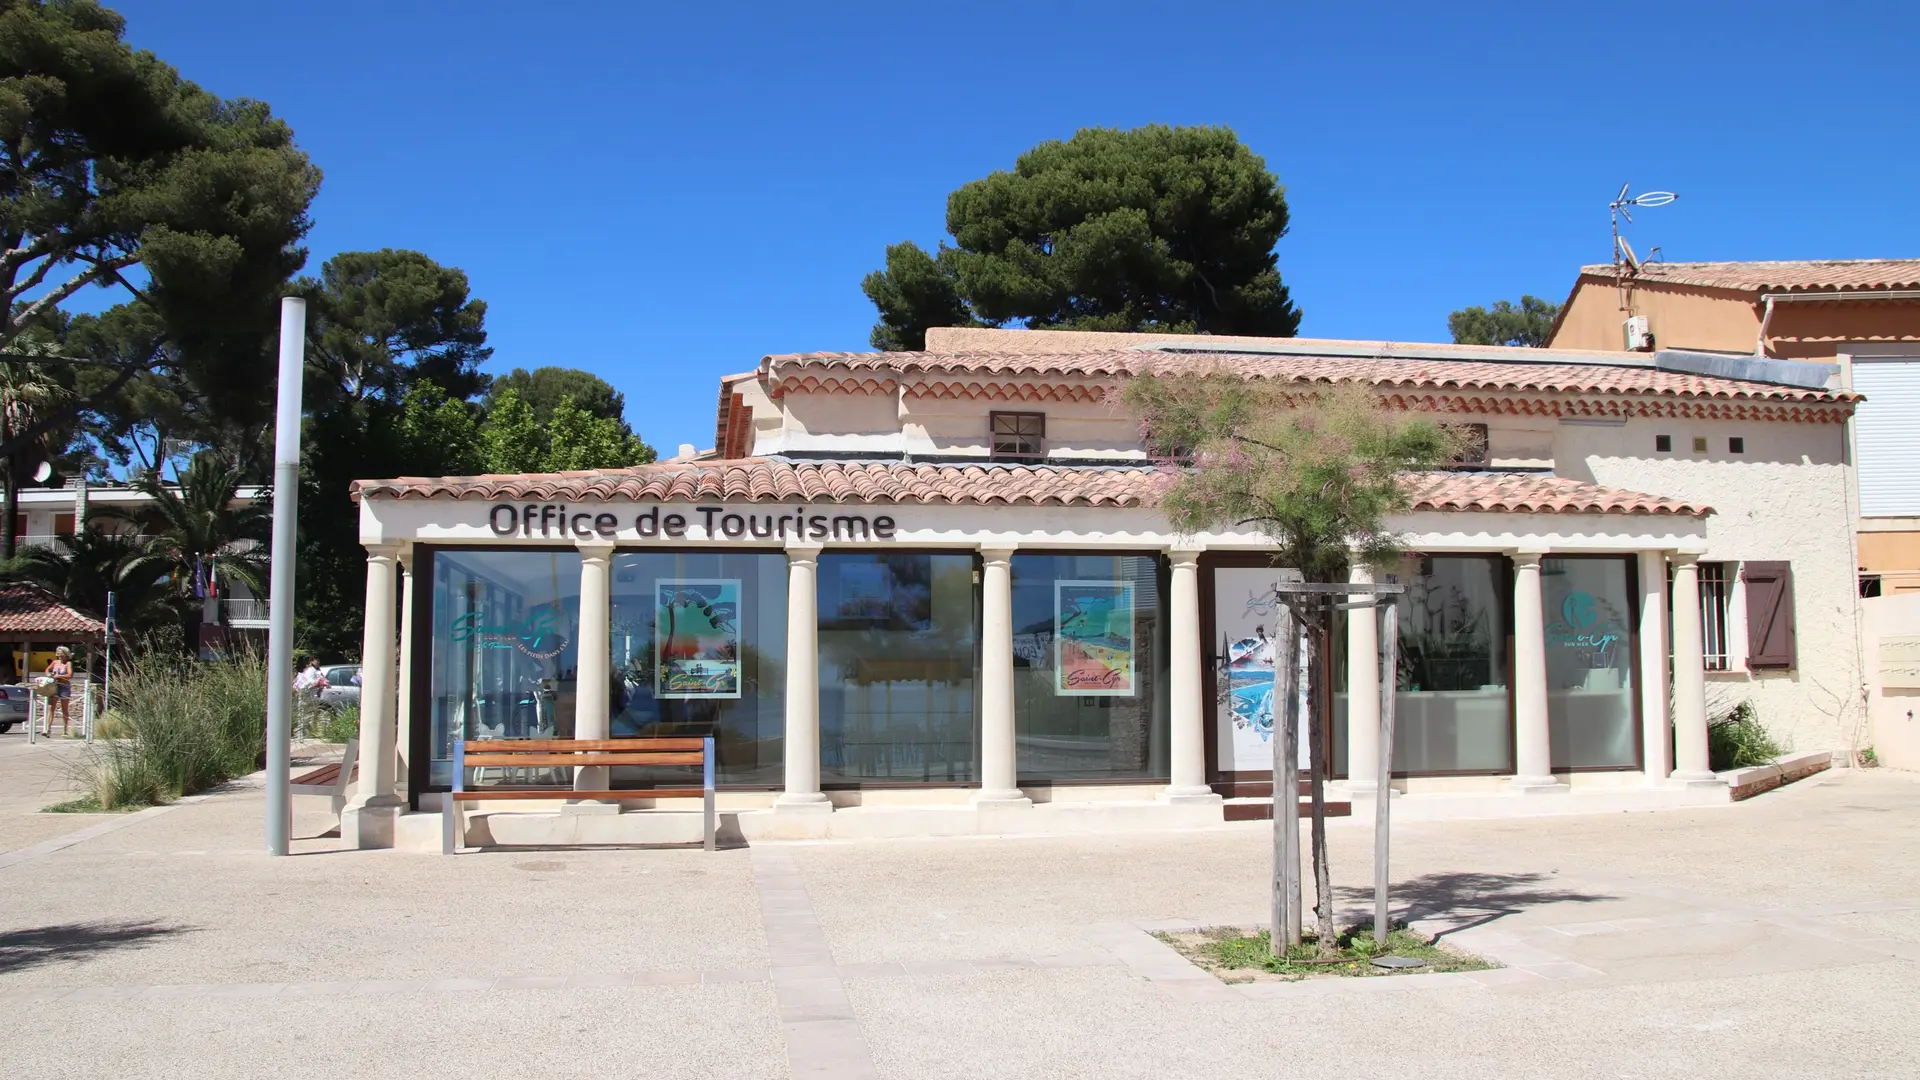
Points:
[(52, 541), (250, 612)]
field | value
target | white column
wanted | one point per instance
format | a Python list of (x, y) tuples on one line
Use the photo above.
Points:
[(368, 819), (1655, 748), (802, 748), (403, 726), (1689, 675), (1363, 689), (1532, 753), (999, 767), (593, 678), (1187, 713)]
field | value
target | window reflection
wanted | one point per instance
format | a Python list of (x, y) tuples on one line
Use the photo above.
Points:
[(898, 646), (504, 649), (699, 648), (1452, 710), (1089, 667)]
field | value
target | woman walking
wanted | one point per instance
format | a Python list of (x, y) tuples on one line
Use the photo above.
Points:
[(60, 670)]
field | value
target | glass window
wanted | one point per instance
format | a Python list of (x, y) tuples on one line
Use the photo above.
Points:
[(502, 661), (1716, 588), (1586, 604), (1452, 712), (699, 648), (899, 638), (1018, 436), (1089, 667)]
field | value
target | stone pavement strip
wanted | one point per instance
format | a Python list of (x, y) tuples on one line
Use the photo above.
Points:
[(823, 1038)]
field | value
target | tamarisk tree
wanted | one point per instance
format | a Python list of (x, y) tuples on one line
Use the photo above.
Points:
[(1318, 468)]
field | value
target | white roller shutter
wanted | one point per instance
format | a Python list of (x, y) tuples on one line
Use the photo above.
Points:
[(1886, 430)]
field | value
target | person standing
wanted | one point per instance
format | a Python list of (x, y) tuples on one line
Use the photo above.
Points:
[(311, 680), (60, 670)]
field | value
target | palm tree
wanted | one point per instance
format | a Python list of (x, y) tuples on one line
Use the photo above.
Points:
[(203, 537), (25, 389)]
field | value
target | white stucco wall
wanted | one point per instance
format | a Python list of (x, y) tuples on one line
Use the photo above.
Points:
[(1786, 497)]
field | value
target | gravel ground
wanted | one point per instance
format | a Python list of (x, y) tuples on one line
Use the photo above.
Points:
[(1778, 937)]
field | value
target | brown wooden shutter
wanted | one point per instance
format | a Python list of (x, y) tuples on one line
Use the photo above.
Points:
[(1769, 614)]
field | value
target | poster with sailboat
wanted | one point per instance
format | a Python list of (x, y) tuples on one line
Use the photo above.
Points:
[(696, 638)]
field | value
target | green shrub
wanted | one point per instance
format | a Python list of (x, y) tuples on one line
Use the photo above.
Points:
[(338, 725), (181, 726), (1738, 740)]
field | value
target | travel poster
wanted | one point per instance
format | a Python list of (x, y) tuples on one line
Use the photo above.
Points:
[(1249, 621), (1094, 641), (696, 638)]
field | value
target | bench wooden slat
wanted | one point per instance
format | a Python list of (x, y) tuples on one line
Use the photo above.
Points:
[(501, 746), (325, 774), (624, 758), (565, 793)]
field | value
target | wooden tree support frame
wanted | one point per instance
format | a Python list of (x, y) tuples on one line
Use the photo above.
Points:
[(1317, 602)]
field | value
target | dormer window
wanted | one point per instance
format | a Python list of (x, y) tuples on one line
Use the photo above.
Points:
[(1474, 456), (1019, 436)]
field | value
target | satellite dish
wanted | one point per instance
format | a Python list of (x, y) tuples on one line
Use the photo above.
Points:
[(41, 474)]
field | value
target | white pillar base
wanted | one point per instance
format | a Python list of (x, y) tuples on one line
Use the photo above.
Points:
[(1701, 781), (1362, 789), (1536, 785), (803, 802), (1013, 797), (1190, 796), (367, 823)]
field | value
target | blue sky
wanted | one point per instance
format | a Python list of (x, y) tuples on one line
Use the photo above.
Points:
[(664, 194)]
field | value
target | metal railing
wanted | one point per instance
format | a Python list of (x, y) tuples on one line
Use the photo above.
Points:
[(251, 610)]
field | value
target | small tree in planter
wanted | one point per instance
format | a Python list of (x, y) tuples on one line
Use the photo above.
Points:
[(1317, 468)]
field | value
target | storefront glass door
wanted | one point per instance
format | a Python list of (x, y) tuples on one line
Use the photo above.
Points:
[(1587, 605)]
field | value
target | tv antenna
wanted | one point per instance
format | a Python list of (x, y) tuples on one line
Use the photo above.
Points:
[(1622, 207), (1625, 263)]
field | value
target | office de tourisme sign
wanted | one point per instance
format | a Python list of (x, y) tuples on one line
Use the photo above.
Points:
[(559, 521)]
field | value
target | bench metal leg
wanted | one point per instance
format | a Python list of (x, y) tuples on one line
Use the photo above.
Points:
[(707, 783), (709, 808), (449, 825)]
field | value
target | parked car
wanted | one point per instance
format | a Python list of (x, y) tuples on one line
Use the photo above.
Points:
[(16, 703), (343, 686)]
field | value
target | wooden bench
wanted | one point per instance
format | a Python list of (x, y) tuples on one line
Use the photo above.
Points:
[(549, 754), (331, 780)]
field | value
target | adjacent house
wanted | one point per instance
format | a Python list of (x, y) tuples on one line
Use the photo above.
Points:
[(1861, 315)]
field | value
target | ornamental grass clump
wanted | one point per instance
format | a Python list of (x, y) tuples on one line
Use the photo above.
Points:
[(1737, 740), (182, 726)]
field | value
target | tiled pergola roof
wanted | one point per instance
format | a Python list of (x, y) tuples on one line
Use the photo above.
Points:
[(30, 611), (775, 480)]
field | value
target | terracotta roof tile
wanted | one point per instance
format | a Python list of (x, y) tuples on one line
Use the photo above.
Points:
[(1383, 372), (985, 484), (30, 609), (1785, 276)]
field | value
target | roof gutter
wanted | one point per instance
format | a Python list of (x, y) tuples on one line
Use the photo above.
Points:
[(1384, 350), (1760, 346)]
